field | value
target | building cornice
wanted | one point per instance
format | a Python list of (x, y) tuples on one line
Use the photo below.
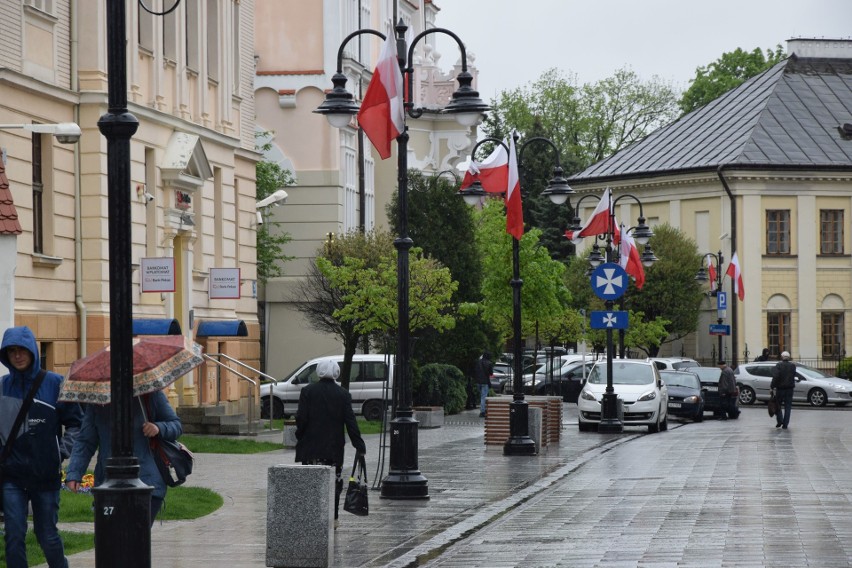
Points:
[(36, 87)]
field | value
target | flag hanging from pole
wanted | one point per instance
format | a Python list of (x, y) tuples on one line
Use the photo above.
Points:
[(736, 276), (514, 211), (492, 173), (599, 222), (712, 271), (630, 260), (382, 113)]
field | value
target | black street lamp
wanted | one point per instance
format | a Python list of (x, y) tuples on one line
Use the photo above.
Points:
[(702, 276), (519, 442), (404, 479), (641, 233)]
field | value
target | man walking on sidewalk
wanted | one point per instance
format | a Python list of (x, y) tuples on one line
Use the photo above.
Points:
[(482, 373), (784, 381)]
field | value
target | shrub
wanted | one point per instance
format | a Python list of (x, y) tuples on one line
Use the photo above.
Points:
[(436, 384), (844, 368)]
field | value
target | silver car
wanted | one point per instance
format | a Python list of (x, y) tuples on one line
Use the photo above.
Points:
[(812, 386)]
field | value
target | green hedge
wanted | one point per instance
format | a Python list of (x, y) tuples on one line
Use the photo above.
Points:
[(437, 384), (844, 368)]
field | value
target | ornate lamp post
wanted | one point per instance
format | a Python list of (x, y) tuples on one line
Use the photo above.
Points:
[(702, 276), (404, 479), (519, 442), (641, 233)]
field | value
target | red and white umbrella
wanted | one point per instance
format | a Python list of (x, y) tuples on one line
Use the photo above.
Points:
[(157, 362)]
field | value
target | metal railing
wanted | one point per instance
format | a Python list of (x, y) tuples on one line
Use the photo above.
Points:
[(214, 358)]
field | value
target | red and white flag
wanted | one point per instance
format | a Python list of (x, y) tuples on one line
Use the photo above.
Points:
[(630, 260), (382, 114), (599, 222), (736, 276), (712, 271), (514, 211), (492, 173)]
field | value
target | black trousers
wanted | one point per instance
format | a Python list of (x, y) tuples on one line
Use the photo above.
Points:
[(338, 480)]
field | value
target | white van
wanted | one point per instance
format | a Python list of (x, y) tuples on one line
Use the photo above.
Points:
[(370, 384)]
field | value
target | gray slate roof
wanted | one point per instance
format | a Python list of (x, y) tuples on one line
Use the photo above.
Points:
[(784, 118)]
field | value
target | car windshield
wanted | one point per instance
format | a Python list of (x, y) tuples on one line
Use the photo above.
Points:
[(623, 373), (811, 373), (684, 364), (681, 380)]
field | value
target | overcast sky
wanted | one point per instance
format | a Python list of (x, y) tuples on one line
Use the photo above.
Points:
[(515, 41)]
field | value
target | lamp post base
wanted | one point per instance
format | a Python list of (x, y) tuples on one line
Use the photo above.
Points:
[(610, 421), (404, 480), (519, 442)]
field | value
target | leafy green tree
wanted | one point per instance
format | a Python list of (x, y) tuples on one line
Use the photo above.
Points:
[(731, 70), (270, 238), (586, 124), (440, 223), (322, 293)]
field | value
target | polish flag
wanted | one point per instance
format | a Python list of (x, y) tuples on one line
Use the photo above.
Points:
[(712, 271), (736, 276), (382, 114), (630, 260), (492, 173), (599, 222), (514, 211)]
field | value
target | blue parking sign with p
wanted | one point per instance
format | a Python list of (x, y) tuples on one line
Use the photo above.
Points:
[(721, 300)]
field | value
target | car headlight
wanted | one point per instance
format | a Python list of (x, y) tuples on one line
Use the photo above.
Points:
[(692, 399), (586, 395), (841, 388), (647, 396)]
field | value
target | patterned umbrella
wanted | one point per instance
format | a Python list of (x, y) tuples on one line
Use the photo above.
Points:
[(157, 363)]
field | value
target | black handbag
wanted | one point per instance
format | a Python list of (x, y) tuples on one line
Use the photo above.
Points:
[(19, 420), (172, 458), (356, 494), (772, 406)]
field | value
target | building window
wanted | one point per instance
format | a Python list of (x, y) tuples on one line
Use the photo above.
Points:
[(778, 231), (45, 6), (38, 195), (213, 40), (831, 231), (192, 30), (235, 48), (145, 25), (832, 335), (170, 36), (779, 332)]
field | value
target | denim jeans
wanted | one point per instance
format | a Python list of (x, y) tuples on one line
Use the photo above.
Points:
[(483, 394), (785, 404), (45, 516)]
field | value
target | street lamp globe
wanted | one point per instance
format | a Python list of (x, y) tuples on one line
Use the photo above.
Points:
[(558, 189), (473, 194)]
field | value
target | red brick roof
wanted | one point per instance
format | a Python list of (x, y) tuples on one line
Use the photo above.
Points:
[(9, 224)]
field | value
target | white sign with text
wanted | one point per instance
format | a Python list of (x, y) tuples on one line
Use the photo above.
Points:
[(224, 283), (157, 274)]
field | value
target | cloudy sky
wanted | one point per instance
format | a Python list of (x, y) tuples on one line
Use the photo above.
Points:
[(515, 41)]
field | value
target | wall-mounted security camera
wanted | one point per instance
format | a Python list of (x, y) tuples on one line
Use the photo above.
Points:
[(259, 217), (147, 197), (275, 198)]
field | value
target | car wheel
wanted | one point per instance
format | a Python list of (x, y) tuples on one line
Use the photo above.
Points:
[(373, 410), (584, 427), (664, 425), (700, 416), (277, 408), (655, 427), (817, 397), (747, 395)]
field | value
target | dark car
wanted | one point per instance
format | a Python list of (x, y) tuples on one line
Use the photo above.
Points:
[(686, 399), (709, 377), (567, 382)]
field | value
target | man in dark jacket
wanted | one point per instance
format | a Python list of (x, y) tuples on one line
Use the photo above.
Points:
[(784, 382), (728, 391), (32, 472), (482, 373), (324, 409)]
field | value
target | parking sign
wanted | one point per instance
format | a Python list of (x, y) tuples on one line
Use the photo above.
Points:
[(722, 301)]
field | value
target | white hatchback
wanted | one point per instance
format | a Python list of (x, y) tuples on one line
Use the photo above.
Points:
[(638, 386)]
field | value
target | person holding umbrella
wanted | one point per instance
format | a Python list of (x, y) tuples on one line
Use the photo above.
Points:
[(32, 461), (157, 362)]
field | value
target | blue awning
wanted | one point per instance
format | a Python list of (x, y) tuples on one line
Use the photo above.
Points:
[(222, 328), (156, 327)]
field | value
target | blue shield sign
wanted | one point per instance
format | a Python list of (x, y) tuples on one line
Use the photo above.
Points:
[(609, 281)]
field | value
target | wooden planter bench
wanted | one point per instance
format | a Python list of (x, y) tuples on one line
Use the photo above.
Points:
[(497, 419)]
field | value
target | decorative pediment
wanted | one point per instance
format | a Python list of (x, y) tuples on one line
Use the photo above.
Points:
[(185, 165)]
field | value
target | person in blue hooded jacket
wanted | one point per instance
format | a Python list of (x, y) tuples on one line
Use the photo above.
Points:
[(151, 415), (32, 474)]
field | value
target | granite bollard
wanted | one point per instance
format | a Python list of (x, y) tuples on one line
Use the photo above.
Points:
[(299, 516)]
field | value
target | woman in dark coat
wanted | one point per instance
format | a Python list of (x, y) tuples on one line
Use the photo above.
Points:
[(324, 409)]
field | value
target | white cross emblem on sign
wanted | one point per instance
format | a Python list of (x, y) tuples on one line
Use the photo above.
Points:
[(610, 319), (609, 283)]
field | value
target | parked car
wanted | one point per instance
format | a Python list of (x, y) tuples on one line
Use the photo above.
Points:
[(709, 377), (675, 363), (812, 385), (565, 382), (685, 394), (370, 384), (637, 383), (501, 374)]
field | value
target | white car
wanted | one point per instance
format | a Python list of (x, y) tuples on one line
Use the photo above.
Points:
[(639, 387)]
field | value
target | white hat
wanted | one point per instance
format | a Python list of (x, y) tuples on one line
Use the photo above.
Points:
[(785, 354), (328, 369)]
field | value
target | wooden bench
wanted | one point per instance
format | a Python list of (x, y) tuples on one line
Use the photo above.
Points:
[(497, 418)]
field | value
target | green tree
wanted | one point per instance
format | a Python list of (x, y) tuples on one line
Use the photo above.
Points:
[(440, 223), (270, 238), (731, 70), (586, 123), (323, 292)]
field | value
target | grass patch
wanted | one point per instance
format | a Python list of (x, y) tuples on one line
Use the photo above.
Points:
[(181, 503), (365, 426), (216, 445), (74, 542)]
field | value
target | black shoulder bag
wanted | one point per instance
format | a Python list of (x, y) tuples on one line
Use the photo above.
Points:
[(19, 419)]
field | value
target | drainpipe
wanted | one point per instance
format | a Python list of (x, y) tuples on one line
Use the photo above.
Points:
[(82, 312), (734, 298)]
